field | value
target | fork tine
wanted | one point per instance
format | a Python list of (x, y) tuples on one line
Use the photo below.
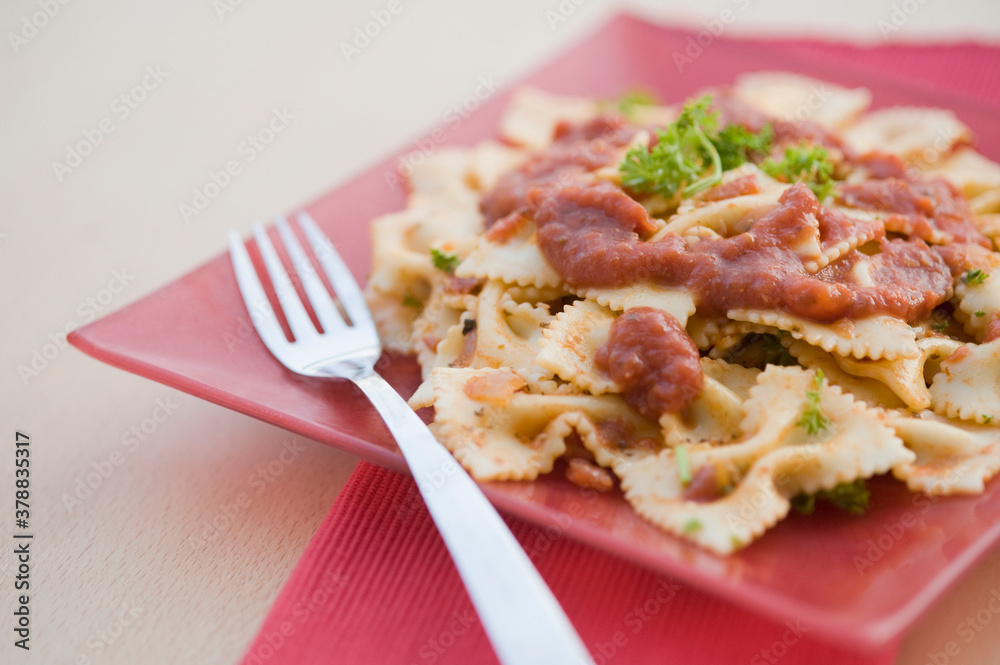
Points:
[(253, 292), (322, 303), (338, 274), (295, 313)]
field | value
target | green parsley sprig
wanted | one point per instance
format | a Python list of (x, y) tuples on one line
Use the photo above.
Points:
[(689, 155), (809, 164), (852, 497), (682, 160), (737, 144)]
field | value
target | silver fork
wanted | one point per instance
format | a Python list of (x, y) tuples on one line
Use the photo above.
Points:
[(521, 617)]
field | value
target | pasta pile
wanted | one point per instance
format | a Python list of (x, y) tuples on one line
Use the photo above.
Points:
[(786, 405)]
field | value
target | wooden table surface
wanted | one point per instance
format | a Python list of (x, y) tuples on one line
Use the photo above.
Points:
[(129, 477)]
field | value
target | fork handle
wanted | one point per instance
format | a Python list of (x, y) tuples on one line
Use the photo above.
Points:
[(521, 617)]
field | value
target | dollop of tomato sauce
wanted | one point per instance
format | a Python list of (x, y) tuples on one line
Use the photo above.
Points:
[(651, 357), (741, 186), (917, 207), (576, 149), (593, 236)]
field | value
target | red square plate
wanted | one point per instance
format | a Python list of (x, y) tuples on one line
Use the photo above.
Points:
[(857, 580)]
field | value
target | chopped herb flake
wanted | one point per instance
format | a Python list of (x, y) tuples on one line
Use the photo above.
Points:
[(631, 99), (940, 326), (683, 465), (812, 418), (987, 419), (693, 525), (444, 261), (980, 312), (410, 301), (975, 276)]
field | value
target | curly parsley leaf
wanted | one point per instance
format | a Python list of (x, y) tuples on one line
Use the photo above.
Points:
[(682, 160), (689, 155), (444, 261), (852, 497), (809, 164), (737, 144), (813, 420)]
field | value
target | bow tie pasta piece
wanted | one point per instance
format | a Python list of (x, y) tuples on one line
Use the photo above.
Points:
[(875, 337), (569, 343), (676, 302), (870, 391), (434, 337), (967, 386), (971, 172), (736, 378), (795, 97), (918, 135), (717, 415), (843, 230), (533, 114), (906, 377), (724, 218), (515, 259), (777, 460), (499, 433), (714, 417), (952, 457), (978, 294)]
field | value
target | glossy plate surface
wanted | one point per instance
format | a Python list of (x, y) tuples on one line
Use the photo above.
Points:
[(860, 581)]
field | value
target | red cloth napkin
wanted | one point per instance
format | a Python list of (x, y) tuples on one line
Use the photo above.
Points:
[(376, 585)]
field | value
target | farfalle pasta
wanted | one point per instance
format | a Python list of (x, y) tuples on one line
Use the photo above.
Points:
[(722, 307)]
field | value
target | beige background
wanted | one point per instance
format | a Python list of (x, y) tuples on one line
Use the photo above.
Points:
[(117, 576)]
